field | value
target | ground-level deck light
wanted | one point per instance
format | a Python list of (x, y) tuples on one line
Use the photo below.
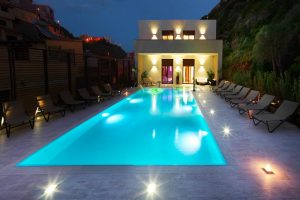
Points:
[(151, 189), (268, 169), (226, 131), (50, 189)]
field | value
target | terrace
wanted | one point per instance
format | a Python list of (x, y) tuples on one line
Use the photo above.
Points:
[(246, 148)]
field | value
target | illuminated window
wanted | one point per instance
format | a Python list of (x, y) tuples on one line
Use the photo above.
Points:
[(168, 35), (188, 35)]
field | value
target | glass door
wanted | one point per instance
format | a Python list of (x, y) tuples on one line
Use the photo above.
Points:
[(167, 74), (188, 74)]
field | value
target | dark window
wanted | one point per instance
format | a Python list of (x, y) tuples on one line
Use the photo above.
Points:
[(2, 23), (22, 54), (188, 62), (189, 35), (168, 35)]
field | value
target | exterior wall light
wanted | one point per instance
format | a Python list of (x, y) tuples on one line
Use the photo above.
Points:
[(202, 60), (202, 37), (178, 32), (154, 61), (154, 69), (178, 37), (202, 70), (154, 37)]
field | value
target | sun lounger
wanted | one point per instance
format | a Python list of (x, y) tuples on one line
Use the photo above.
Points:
[(47, 107), (222, 84), (85, 95), (225, 86), (69, 101), (285, 110), (242, 94), (229, 89), (107, 87), (253, 95), (235, 91), (96, 91), (15, 115), (263, 103), (218, 86)]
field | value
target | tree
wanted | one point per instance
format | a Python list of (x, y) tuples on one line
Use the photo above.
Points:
[(271, 44)]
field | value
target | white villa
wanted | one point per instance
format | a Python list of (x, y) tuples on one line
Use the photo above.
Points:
[(184, 48)]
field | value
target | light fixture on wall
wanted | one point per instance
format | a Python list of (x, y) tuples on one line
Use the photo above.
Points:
[(178, 69), (202, 69), (178, 32), (202, 60), (154, 69), (202, 37), (154, 61), (154, 37), (202, 30), (178, 37)]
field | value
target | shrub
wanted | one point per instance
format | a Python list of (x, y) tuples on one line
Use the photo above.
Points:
[(283, 87), (144, 75)]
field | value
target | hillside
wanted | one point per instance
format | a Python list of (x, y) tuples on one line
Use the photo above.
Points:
[(261, 44), (104, 48)]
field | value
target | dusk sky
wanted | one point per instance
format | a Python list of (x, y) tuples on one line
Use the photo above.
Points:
[(118, 19)]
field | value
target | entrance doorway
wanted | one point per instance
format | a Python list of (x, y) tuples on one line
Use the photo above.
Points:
[(188, 74), (188, 71), (167, 71)]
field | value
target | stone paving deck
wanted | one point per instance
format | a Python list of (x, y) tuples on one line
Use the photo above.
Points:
[(246, 151)]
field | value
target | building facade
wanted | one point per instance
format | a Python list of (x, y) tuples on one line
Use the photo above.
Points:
[(178, 51)]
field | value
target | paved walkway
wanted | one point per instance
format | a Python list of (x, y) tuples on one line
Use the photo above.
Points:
[(247, 149)]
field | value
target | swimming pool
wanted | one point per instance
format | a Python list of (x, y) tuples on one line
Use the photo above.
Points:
[(151, 127)]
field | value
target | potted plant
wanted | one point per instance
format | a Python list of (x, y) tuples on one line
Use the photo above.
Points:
[(210, 76), (144, 75)]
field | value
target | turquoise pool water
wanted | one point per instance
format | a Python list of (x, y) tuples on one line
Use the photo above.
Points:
[(150, 127)]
